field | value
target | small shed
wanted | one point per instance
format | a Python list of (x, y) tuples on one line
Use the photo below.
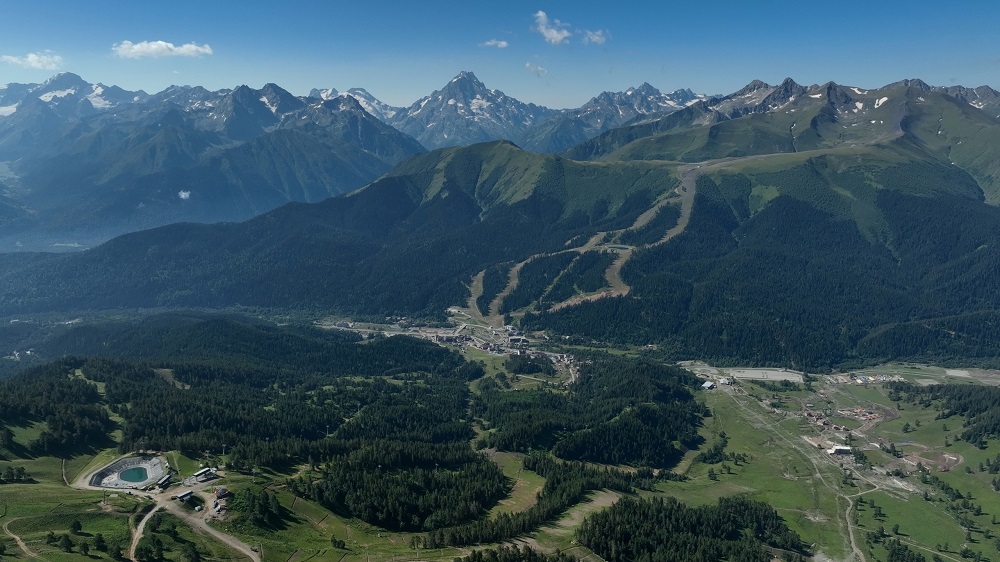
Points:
[(708, 385)]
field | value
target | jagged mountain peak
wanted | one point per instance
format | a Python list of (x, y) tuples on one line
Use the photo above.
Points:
[(752, 88), (279, 100), (788, 83), (342, 103), (465, 111), (786, 91), (912, 83), (644, 89), (683, 93), (63, 80), (241, 91), (465, 75), (272, 88), (466, 87), (381, 110), (324, 93)]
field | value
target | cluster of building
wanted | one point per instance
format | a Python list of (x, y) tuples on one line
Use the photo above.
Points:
[(709, 385), (456, 339), (489, 347), (855, 378), (864, 379), (821, 421), (860, 414)]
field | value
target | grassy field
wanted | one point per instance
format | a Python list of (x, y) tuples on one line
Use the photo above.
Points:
[(176, 536), (782, 470), (560, 535), (810, 492), (527, 484), (185, 466), (45, 504)]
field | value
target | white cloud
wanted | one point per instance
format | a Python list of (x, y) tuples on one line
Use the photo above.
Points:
[(184, 195), (596, 37), (39, 61), (130, 50), (495, 43), (535, 69), (555, 32)]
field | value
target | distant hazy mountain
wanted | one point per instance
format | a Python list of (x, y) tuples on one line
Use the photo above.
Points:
[(465, 111), (83, 162), (606, 111), (373, 105)]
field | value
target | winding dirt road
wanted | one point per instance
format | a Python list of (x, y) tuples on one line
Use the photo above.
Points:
[(20, 543), (139, 529)]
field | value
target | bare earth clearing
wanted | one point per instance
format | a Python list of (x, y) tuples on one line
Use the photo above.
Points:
[(197, 520)]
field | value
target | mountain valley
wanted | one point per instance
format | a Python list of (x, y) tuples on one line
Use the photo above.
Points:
[(478, 329)]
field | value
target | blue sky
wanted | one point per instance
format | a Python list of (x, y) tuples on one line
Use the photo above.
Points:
[(402, 51)]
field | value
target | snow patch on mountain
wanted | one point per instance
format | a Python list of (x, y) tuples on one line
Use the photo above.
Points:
[(270, 105), (96, 100), (49, 96)]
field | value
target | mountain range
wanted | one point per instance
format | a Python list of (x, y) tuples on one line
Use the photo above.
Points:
[(80, 165), (797, 225), (81, 162), (782, 224)]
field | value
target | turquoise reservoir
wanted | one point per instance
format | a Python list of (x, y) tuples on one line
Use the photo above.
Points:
[(134, 474)]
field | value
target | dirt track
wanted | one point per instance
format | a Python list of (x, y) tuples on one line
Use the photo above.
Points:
[(20, 543), (139, 529)]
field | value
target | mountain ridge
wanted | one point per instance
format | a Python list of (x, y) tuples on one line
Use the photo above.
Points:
[(716, 226), (67, 147)]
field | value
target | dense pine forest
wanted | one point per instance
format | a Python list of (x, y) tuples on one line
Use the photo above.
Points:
[(661, 530), (566, 484), (622, 411), (383, 426)]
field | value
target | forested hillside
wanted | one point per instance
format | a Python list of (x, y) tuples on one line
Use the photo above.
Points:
[(384, 426), (815, 227), (406, 245)]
